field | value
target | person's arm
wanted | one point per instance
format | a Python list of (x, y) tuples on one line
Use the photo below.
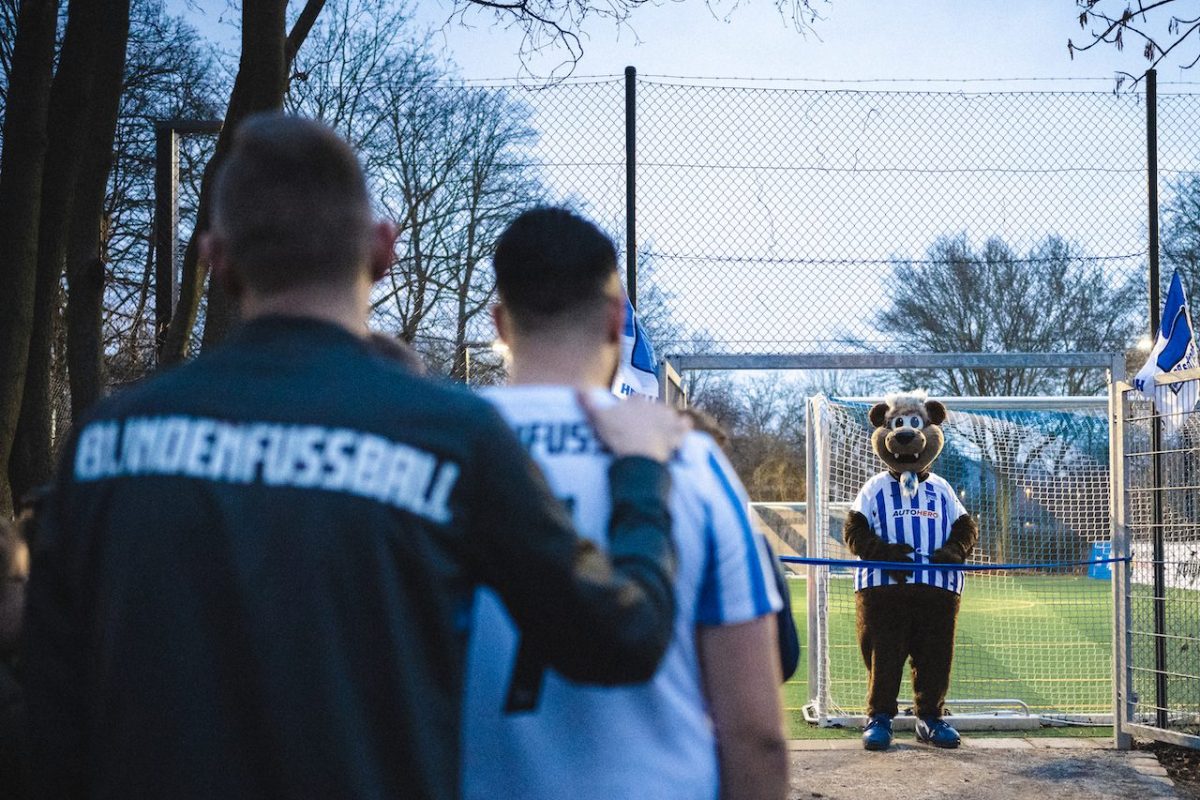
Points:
[(741, 681), (862, 541), (595, 617), (737, 641), (785, 624), (964, 533)]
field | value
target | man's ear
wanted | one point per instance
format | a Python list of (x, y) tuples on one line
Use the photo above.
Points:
[(936, 411), (502, 323), (212, 250), (614, 319), (878, 414), (382, 252)]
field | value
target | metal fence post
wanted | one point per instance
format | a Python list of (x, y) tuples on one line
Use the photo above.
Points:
[(166, 214), (166, 224), (1119, 548), (1160, 583), (631, 184)]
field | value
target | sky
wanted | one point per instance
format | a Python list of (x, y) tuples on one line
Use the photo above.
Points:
[(853, 40)]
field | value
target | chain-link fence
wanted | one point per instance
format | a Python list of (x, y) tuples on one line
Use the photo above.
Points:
[(781, 219), (1159, 516), (798, 220)]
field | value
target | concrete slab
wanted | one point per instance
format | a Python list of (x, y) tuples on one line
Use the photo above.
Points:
[(1061, 743), (997, 744), (983, 769)]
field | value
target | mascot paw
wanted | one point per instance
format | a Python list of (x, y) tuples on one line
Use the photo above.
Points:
[(946, 555), (898, 552)]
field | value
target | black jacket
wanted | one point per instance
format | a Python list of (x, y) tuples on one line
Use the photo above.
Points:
[(256, 573)]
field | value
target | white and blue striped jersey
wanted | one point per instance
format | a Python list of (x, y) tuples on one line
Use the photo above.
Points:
[(922, 521), (654, 740)]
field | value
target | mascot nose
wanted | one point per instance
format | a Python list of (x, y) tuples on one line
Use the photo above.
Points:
[(905, 436)]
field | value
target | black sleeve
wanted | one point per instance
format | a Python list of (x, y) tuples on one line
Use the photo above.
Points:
[(54, 653), (859, 538), (785, 623), (595, 617), (964, 534)]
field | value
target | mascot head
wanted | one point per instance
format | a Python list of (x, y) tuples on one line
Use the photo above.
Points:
[(907, 435)]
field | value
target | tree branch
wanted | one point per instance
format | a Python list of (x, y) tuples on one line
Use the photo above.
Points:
[(301, 29)]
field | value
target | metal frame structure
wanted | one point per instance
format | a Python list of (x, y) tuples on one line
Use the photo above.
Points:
[(166, 211), (1114, 363), (1127, 723)]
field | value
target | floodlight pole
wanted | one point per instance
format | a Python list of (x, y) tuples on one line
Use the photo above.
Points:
[(1159, 551)]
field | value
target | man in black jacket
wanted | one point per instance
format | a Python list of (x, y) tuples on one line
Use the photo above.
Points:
[(256, 570)]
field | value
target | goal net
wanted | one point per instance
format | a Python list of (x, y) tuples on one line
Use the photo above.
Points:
[(1032, 642)]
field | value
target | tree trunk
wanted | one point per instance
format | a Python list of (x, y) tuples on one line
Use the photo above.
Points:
[(21, 166), (260, 86), (88, 228), (82, 123)]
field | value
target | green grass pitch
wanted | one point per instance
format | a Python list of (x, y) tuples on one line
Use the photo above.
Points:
[(1045, 640)]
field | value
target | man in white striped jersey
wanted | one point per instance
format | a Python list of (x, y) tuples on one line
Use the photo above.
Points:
[(709, 723), (907, 513)]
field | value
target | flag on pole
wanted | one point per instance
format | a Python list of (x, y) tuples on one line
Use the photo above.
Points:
[(638, 371), (1174, 351)]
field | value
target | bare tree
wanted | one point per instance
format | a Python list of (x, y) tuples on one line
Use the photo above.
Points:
[(453, 174), (262, 78), (1053, 299), (1153, 26), (8, 35), (21, 173), (170, 73), (764, 418), (418, 174), (556, 24), (1181, 234), (82, 121), (494, 184)]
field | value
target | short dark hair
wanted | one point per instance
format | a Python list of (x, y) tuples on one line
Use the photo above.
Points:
[(550, 262), (291, 203)]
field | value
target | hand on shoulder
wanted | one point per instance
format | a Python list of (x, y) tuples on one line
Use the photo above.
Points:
[(638, 427)]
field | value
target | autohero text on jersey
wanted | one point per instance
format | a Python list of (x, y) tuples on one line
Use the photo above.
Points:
[(272, 454)]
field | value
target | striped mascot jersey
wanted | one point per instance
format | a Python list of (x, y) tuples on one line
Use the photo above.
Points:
[(922, 521)]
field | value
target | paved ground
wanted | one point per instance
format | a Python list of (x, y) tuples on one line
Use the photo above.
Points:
[(982, 769)]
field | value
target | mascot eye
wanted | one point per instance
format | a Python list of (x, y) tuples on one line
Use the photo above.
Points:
[(916, 422), (898, 423)]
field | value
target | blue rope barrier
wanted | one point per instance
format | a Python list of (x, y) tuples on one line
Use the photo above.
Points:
[(911, 566)]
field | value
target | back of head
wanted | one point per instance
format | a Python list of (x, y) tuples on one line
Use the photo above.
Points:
[(291, 205), (553, 266)]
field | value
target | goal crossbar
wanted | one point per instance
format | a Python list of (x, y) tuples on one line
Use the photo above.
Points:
[(681, 362)]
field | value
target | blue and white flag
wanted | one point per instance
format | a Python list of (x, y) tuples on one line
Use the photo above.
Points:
[(638, 371), (1174, 351)]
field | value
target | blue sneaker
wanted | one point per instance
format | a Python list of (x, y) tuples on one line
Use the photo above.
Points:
[(937, 732), (878, 733)]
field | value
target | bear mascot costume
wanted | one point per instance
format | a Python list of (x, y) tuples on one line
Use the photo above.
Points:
[(907, 513)]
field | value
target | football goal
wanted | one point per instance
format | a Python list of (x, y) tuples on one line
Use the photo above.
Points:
[(1034, 642)]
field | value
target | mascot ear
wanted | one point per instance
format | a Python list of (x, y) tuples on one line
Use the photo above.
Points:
[(936, 411), (878, 414)]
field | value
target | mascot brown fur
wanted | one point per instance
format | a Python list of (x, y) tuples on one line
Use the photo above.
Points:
[(907, 513)]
